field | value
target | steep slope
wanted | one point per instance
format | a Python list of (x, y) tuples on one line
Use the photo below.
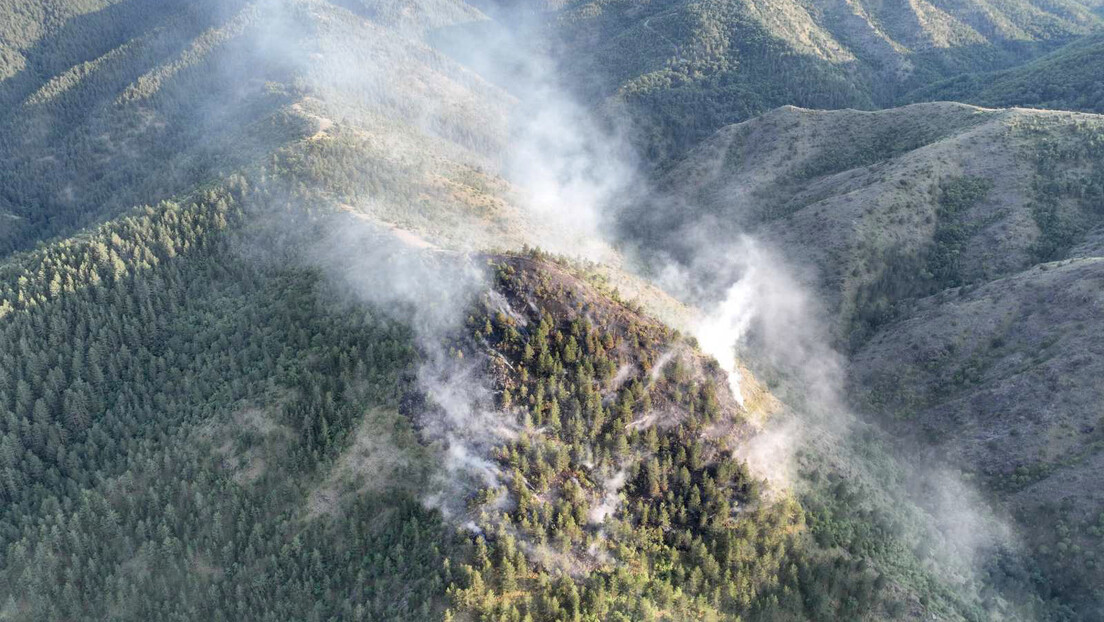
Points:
[(957, 250), (1002, 379), (627, 433), (1070, 78), (114, 109), (25, 24), (174, 422), (683, 69), (891, 204), (75, 149)]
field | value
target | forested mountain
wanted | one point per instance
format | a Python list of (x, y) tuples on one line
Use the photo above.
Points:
[(1070, 78), (278, 338), (958, 249), (683, 69), (159, 444)]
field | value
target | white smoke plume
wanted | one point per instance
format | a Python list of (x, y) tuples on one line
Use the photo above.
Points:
[(431, 292), (723, 325), (570, 168), (572, 171), (444, 78), (611, 499), (759, 310)]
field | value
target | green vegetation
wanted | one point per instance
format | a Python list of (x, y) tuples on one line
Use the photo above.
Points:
[(178, 416), (683, 69), (1069, 187), (712, 58), (622, 500), (106, 116), (954, 228), (126, 359), (1070, 78), (163, 437), (937, 267)]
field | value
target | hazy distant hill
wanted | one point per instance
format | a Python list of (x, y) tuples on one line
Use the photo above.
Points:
[(1070, 78), (686, 68), (136, 102)]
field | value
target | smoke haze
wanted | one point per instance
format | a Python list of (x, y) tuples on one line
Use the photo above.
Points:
[(572, 174)]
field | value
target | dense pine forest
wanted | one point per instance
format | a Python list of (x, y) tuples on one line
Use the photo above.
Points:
[(550, 311)]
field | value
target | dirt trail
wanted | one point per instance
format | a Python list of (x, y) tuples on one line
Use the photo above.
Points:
[(407, 237)]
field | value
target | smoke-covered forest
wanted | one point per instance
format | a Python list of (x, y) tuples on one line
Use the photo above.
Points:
[(551, 311)]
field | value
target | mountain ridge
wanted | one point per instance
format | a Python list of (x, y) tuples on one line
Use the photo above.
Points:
[(277, 339), (955, 247)]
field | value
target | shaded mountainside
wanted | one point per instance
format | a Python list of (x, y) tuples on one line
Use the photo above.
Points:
[(198, 422), (1070, 78), (109, 91), (683, 69), (159, 447)]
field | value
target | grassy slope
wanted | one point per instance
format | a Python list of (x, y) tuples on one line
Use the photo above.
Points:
[(684, 69)]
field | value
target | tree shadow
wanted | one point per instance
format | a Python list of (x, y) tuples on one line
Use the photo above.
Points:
[(80, 39), (82, 154)]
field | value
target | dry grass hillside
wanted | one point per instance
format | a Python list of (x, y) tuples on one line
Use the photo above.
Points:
[(885, 206), (1003, 380), (683, 69), (959, 250)]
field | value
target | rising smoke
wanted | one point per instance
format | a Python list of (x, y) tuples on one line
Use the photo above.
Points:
[(760, 310), (571, 172), (569, 166), (565, 168), (430, 291)]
